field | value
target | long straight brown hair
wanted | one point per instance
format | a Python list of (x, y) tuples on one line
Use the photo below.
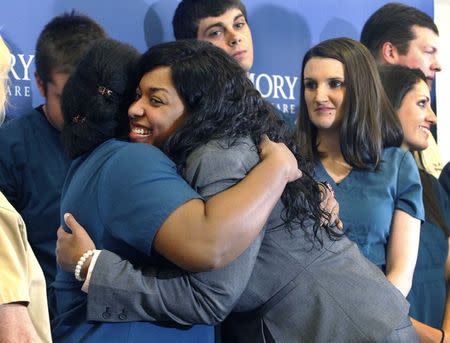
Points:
[(369, 123)]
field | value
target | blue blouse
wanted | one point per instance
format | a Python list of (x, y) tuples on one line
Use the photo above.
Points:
[(429, 288), (122, 192), (33, 166), (367, 200), (444, 179)]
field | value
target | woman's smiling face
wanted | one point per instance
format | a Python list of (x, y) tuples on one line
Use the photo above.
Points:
[(416, 117), (158, 110)]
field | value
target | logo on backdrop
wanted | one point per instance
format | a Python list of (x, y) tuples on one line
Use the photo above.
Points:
[(280, 90), (20, 75)]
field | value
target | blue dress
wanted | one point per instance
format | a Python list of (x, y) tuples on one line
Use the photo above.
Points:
[(122, 192), (367, 200), (32, 171), (429, 291)]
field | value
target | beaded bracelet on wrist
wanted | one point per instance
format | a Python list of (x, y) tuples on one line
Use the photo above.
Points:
[(80, 264)]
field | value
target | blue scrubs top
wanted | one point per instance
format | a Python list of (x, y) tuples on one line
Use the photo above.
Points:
[(122, 192), (32, 171), (367, 200), (429, 288), (444, 179)]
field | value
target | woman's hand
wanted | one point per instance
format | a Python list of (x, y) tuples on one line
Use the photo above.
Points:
[(330, 205), (282, 157), (71, 246), (429, 334)]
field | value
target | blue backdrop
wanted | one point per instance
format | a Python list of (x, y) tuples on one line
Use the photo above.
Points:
[(282, 32)]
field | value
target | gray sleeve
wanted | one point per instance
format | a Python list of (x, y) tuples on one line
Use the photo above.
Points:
[(120, 292)]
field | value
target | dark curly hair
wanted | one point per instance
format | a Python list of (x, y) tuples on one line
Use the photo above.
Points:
[(97, 95), (222, 103)]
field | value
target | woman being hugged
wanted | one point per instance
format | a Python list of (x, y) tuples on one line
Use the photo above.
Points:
[(348, 128)]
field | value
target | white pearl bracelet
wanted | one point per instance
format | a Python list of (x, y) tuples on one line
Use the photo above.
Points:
[(80, 264)]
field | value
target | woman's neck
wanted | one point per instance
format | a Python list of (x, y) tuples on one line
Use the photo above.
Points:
[(329, 144), (332, 160)]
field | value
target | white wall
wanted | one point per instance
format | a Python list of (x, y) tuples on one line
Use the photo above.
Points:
[(441, 16)]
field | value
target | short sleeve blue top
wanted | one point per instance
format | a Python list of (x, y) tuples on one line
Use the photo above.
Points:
[(122, 192), (32, 171), (428, 293), (367, 200), (444, 179)]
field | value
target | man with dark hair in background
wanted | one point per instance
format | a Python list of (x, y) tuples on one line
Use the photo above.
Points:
[(223, 23), (33, 164)]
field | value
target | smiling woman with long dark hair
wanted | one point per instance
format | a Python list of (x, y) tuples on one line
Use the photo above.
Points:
[(409, 93)]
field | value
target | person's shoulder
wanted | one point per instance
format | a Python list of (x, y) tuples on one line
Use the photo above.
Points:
[(394, 152), (10, 218), (219, 164), (400, 162), (134, 150), (238, 149), (125, 155), (437, 188), (6, 207), (240, 143), (395, 156), (447, 166), (20, 125), (13, 135), (446, 170)]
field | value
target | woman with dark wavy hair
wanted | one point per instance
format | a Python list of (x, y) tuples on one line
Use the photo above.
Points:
[(299, 281), (345, 124), (408, 92), (136, 203)]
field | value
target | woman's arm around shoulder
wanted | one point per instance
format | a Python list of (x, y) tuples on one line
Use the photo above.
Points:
[(202, 236)]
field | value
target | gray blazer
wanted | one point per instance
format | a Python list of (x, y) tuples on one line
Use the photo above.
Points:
[(285, 287)]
